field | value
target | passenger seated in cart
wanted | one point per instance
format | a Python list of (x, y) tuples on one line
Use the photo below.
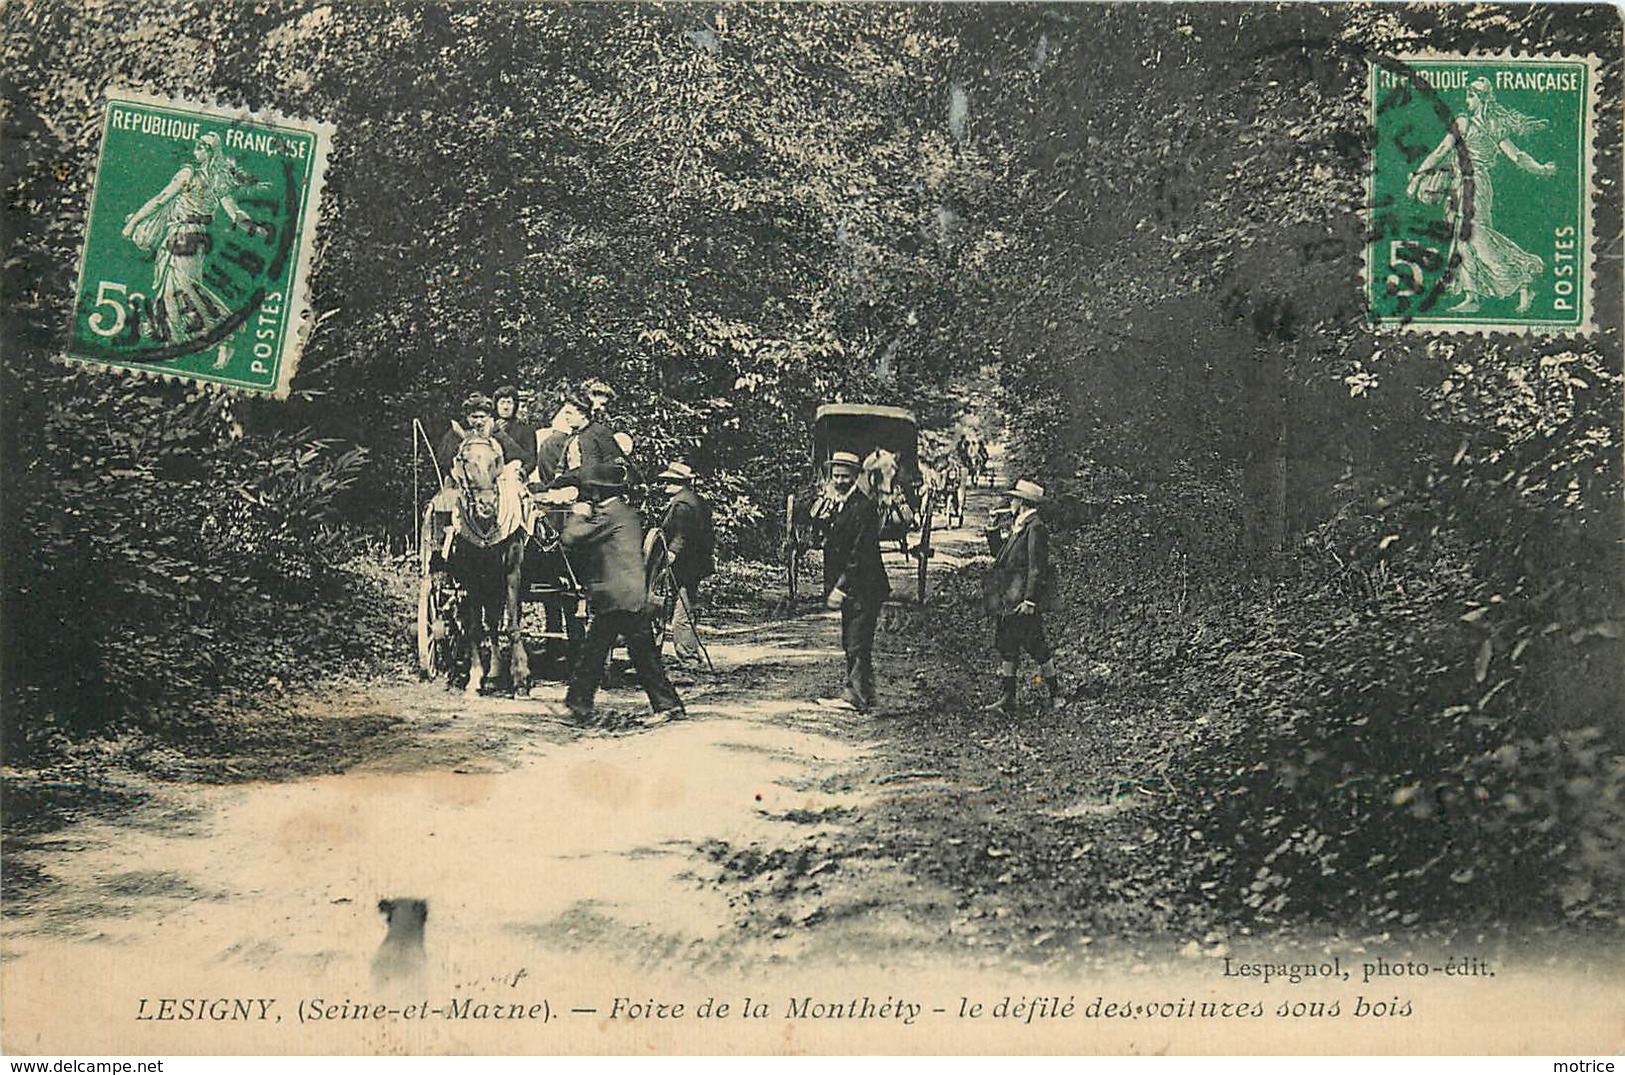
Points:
[(568, 420), (479, 418), (522, 433), (594, 445)]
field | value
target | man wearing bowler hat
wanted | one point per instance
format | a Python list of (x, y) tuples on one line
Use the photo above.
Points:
[(855, 579), (1015, 590), (604, 527), (478, 413), (690, 551)]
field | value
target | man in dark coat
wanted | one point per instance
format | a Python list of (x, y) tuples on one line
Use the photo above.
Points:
[(1015, 591), (978, 460), (520, 431), (605, 533), (690, 550), (477, 421), (856, 581)]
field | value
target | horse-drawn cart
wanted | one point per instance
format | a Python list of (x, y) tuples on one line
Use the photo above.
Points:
[(886, 439), (478, 577), (552, 617)]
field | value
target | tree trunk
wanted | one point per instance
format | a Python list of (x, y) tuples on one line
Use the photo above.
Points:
[(1264, 478)]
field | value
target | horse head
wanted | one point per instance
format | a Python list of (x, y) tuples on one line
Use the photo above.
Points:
[(879, 482), (879, 474), (479, 463)]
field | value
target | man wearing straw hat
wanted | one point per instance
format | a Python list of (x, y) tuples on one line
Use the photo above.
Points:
[(855, 579), (1015, 591), (690, 546)]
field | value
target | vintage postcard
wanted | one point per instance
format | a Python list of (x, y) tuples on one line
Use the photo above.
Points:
[(860, 528)]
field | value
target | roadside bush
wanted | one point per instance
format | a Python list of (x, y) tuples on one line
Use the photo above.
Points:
[(146, 535), (1382, 734), (1354, 768)]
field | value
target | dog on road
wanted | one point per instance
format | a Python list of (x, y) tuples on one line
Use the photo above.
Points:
[(401, 954)]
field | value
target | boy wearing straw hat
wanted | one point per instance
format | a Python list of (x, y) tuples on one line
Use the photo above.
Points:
[(1014, 593)]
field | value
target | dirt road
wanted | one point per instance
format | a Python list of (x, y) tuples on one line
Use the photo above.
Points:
[(840, 882), (705, 845)]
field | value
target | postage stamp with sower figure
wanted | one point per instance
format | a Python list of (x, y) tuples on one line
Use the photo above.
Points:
[(198, 243), (1480, 194)]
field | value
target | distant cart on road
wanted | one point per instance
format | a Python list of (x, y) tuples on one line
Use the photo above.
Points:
[(887, 439)]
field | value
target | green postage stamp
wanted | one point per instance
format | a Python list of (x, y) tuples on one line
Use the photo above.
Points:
[(1480, 193), (198, 243)]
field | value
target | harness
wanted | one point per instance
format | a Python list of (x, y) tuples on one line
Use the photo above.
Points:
[(891, 500), (513, 508)]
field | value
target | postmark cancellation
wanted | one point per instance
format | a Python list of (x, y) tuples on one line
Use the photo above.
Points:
[(1480, 193), (198, 243)]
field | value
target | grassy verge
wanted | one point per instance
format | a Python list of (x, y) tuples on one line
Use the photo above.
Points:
[(1247, 759)]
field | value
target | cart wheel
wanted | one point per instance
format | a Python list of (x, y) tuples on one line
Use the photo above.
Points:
[(661, 592), (425, 637), (434, 652)]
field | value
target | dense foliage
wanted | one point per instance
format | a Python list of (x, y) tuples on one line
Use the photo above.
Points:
[(157, 555), (731, 214), (1380, 573), (1379, 577)]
